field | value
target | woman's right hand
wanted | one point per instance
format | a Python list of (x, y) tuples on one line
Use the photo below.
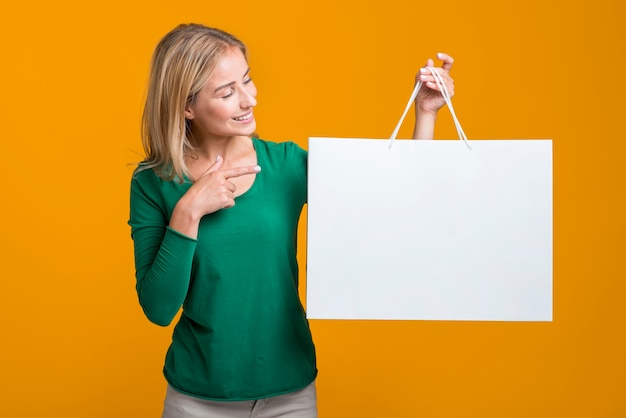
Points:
[(211, 192)]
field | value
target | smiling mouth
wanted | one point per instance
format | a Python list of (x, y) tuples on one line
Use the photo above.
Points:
[(244, 117)]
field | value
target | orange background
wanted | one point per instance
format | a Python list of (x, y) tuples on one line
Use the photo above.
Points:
[(74, 340)]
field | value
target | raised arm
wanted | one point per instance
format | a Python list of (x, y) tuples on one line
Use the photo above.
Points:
[(429, 99)]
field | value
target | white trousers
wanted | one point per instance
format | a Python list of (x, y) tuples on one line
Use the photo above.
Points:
[(299, 404)]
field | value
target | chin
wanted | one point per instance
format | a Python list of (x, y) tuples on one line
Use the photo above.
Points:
[(250, 130)]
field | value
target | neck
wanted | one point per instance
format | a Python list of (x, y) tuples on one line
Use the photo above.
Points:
[(227, 146), (235, 151)]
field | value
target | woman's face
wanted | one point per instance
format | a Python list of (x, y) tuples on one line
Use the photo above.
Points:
[(223, 108)]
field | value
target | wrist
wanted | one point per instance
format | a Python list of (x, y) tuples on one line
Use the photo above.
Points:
[(427, 116), (184, 219)]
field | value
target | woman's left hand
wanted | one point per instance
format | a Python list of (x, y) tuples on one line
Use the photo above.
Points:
[(429, 99)]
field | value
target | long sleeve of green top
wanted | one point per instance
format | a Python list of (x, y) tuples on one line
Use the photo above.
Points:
[(242, 333)]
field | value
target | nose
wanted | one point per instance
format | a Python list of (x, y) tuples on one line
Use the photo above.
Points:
[(248, 98)]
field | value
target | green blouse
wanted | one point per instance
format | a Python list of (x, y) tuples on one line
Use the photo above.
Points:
[(243, 333)]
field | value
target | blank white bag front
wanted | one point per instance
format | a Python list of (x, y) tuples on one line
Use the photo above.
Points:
[(429, 230)]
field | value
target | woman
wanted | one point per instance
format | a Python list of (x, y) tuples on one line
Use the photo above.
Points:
[(242, 336)]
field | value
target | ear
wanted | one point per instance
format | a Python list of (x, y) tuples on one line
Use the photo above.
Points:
[(189, 113)]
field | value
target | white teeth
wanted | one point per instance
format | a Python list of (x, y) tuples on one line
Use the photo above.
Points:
[(244, 117)]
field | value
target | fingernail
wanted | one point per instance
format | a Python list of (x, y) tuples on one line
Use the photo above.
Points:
[(257, 168), (423, 70), (219, 157), (439, 55)]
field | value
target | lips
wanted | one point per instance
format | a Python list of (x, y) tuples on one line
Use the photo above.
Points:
[(244, 118)]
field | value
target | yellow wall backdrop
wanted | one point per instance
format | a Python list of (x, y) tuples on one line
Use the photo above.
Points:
[(74, 340)]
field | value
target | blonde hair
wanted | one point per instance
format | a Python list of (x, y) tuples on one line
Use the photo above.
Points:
[(181, 64)]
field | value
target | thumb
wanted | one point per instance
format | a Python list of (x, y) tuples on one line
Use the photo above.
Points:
[(219, 161)]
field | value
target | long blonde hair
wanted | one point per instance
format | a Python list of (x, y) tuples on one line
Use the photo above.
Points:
[(181, 65)]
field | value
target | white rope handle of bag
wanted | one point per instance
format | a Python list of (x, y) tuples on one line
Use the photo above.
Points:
[(446, 96)]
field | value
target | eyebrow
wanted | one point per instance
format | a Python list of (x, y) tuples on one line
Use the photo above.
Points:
[(223, 86)]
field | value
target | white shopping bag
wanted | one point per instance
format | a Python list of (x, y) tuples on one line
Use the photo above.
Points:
[(429, 230)]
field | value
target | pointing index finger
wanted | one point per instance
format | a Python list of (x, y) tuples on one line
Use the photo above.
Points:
[(241, 171)]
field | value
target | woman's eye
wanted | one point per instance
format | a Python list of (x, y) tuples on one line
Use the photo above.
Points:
[(247, 80)]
